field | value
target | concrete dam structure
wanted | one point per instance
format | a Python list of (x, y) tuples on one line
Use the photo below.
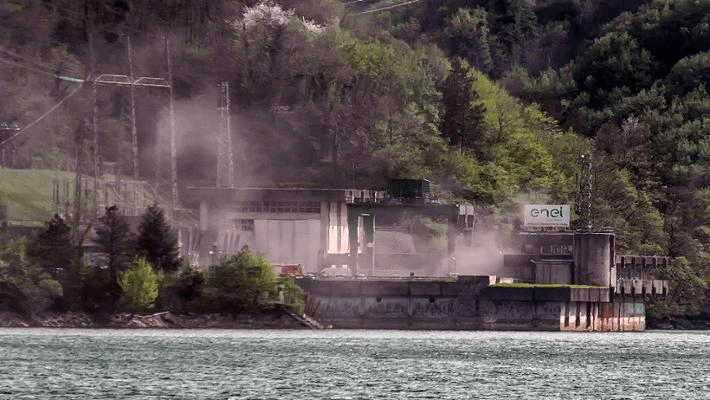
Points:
[(588, 290), (361, 273)]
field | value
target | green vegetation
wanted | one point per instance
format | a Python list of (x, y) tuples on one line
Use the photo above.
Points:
[(545, 285), (46, 271), (139, 285), (243, 281), (28, 194), (493, 101), (25, 287), (156, 241)]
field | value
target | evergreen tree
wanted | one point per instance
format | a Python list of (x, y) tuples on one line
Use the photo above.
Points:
[(463, 119), (53, 249), (468, 37), (156, 241), (116, 240)]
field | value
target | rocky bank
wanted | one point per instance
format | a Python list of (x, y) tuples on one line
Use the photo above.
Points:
[(275, 319)]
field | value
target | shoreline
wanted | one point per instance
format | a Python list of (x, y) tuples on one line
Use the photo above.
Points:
[(274, 319)]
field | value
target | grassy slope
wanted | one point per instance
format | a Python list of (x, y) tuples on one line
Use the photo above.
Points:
[(28, 194)]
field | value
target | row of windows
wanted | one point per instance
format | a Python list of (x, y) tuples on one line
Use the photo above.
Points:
[(244, 225), (279, 206)]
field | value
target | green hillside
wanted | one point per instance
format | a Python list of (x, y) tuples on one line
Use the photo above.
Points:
[(30, 194)]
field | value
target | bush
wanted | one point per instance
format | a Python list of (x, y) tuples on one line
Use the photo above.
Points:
[(139, 285), (294, 297), (242, 282), (24, 286), (182, 293)]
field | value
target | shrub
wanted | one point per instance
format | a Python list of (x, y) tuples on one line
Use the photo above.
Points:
[(244, 281), (139, 285)]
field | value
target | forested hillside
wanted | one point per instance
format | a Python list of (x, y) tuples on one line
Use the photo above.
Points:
[(493, 101)]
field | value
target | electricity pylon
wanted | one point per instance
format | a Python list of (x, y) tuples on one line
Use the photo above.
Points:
[(132, 83), (225, 157)]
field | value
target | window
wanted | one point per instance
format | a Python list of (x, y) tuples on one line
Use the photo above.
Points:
[(244, 225), (309, 207)]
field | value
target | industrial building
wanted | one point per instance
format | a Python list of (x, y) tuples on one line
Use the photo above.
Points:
[(554, 279), (321, 229)]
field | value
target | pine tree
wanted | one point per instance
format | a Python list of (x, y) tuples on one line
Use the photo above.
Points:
[(463, 119), (156, 241), (53, 249), (117, 242)]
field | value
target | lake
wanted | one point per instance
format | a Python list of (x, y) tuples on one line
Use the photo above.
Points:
[(351, 364)]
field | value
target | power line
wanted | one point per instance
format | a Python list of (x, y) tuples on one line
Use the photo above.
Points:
[(386, 8), (41, 71), (23, 130), (40, 64), (54, 75)]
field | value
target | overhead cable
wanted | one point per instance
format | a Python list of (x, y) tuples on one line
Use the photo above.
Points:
[(54, 107), (386, 8)]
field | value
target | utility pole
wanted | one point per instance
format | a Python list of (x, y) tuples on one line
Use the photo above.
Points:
[(94, 123), (173, 145), (134, 133), (225, 157)]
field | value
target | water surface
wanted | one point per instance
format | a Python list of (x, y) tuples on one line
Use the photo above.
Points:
[(351, 364)]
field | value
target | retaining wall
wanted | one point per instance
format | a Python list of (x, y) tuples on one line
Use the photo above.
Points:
[(470, 304)]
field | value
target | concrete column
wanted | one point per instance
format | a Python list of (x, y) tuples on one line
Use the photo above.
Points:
[(368, 224), (593, 258), (204, 214), (353, 240), (451, 232), (324, 239)]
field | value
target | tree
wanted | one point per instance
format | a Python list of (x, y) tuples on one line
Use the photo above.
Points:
[(156, 241), (462, 123), (243, 281), (467, 34), (25, 287), (686, 291), (3, 212), (54, 249), (139, 285), (114, 237)]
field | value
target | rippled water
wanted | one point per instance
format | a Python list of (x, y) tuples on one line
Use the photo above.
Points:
[(335, 364)]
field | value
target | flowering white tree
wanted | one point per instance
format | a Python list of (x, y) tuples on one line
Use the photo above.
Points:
[(266, 13), (270, 14)]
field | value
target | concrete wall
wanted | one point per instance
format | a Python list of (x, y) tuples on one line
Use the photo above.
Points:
[(283, 237), (470, 305), (288, 241), (337, 239)]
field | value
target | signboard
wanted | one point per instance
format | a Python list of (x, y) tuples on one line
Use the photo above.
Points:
[(537, 215)]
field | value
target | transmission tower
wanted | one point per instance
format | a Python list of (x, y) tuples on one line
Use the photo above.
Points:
[(131, 82), (225, 157), (585, 192)]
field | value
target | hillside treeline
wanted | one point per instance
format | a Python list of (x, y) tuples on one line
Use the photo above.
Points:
[(493, 101)]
